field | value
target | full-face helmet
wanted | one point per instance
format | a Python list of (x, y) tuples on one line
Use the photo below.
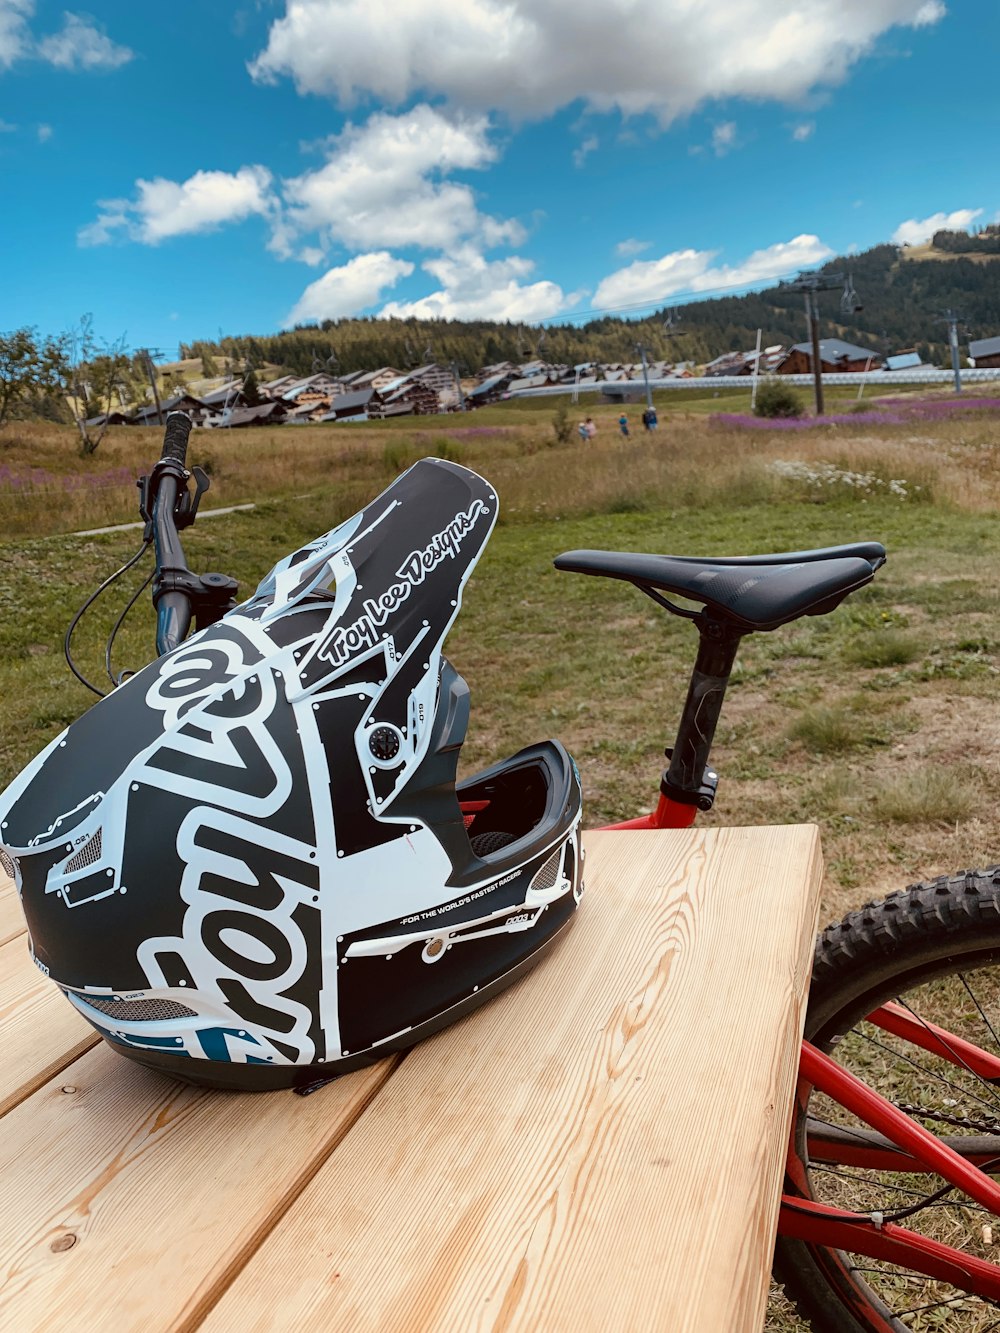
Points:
[(250, 866)]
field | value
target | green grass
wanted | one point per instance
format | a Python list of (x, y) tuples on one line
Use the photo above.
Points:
[(890, 700), (883, 648), (928, 796)]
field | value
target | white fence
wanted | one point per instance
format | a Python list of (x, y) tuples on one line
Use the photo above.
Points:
[(880, 379)]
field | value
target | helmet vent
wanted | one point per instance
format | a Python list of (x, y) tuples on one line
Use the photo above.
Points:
[(140, 1011), (7, 866), (88, 855), (549, 873)]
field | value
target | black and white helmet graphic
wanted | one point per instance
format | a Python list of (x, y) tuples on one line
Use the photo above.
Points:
[(250, 866)]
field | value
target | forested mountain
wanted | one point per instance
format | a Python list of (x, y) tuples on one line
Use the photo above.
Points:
[(903, 294)]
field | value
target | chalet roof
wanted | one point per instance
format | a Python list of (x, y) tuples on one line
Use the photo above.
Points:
[(486, 386), (367, 376), (344, 402), (529, 382), (228, 393), (835, 349), (984, 347), (321, 382), (248, 416), (179, 403), (422, 372), (904, 361), (407, 389)]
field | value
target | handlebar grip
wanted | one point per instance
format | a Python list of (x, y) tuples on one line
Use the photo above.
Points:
[(175, 437)]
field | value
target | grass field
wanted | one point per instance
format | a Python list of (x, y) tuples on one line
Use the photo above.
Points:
[(879, 722)]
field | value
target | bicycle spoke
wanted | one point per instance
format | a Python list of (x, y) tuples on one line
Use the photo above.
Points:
[(994, 1104)]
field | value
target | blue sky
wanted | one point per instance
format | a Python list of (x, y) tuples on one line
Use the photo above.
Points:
[(181, 169)]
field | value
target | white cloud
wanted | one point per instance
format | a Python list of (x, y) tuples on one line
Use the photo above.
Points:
[(44, 133), (803, 131), (381, 186), (918, 231), (647, 281), (15, 36), (475, 288), (165, 208), (589, 145), (724, 138), (353, 287), (632, 247), (7, 127), (530, 57), (80, 45)]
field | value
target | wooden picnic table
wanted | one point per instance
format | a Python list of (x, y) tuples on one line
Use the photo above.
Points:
[(600, 1148)]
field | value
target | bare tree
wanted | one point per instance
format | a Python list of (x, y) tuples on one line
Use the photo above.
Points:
[(97, 378)]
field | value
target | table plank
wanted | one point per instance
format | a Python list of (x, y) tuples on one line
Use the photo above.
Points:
[(130, 1199), (40, 1031), (11, 916), (600, 1148)]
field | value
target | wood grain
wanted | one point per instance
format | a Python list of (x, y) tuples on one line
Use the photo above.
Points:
[(40, 1031), (129, 1199), (11, 916), (599, 1149)]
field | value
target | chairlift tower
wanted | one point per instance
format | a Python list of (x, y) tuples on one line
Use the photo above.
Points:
[(952, 319), (640, 348), (811, 284)]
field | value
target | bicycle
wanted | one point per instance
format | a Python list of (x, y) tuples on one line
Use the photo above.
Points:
[(856, 1161)]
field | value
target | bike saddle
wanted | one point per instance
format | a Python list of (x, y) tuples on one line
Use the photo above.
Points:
[(754, 592)]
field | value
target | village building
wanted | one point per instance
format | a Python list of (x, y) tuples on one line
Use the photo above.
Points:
[(908, 360), (497, 371), (351, 406), (984, 352), (487, 391), (149, 414), (319, 388), (229, 395), (264, 414), (373, 379), (405, 397), (835, 357)]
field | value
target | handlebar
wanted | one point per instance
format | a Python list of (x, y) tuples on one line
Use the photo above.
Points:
[(178, 595), (173, 605), (175, 437)]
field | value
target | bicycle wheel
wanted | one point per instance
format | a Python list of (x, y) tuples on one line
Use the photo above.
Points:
[(934, 950)]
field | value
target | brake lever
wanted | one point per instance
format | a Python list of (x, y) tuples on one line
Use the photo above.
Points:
[(187, 505)]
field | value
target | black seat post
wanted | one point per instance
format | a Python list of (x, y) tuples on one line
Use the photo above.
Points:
[(688, 779)]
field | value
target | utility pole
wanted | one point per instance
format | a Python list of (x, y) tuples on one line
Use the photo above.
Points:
[(147, 361), (756, 372), (953, 320), (811, 284), (645, 374), (458, 385)]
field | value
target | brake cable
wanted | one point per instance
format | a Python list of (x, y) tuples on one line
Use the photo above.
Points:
[(117, 680), (67, 648)]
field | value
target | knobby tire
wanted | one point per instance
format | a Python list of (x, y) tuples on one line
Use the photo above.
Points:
[(936, 948)]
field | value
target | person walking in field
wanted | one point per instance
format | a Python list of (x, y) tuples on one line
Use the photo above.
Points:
[(583, 432), (623, 424), (591, 428), (649, 419)]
